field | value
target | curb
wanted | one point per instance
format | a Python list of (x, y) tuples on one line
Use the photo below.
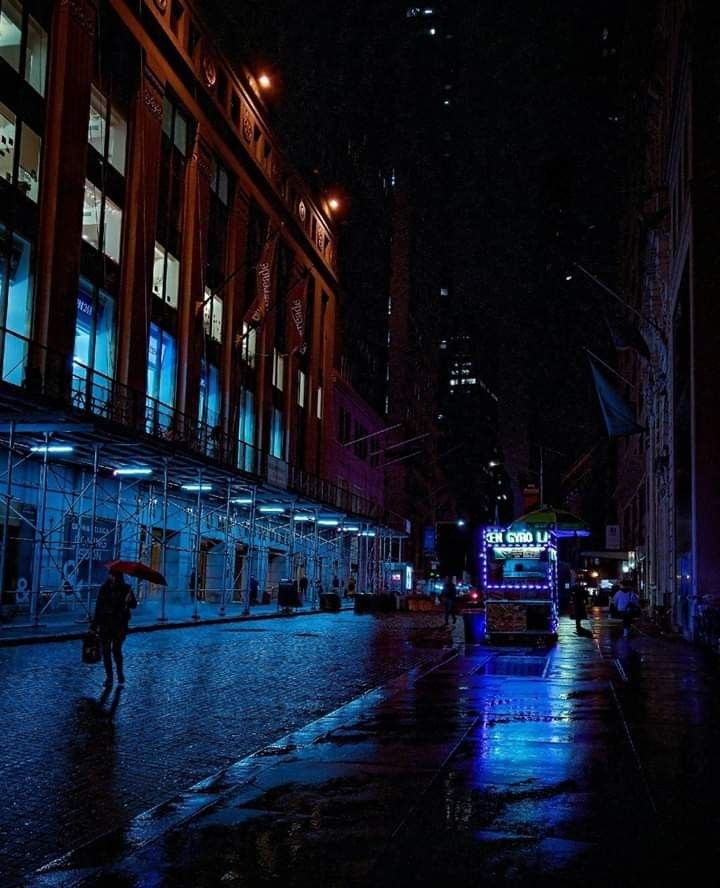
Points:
[(75, 635)]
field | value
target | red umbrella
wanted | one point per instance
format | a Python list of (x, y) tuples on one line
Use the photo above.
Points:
[(137, 569)]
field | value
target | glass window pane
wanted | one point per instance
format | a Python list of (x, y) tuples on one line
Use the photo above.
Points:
[(207, 310), (19, 309), (113, 229), (158, 271), (11, 32), (118, 140), (29, 167), (7, 143), (276, 434), (92, 204), (36, 56), (301, 389), (105, 335), (167, 369), (96, 123), (223, 188), (181, 133), (217, 316), (172, 280), (167, 117)]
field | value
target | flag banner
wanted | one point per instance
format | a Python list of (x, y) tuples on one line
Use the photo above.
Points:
[(297, 300), (619, 416), (260, 305), (625, 335)]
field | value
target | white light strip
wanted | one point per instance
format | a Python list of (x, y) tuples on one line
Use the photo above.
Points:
[(272, 510), (53, 448), (197, 488), (137, 471)]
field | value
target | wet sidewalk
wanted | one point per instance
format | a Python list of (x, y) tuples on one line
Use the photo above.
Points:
[(147, 617), (594, 763)]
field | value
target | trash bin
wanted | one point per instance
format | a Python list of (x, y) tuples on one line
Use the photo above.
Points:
[(288, 594), (329, 601), (474, 625)]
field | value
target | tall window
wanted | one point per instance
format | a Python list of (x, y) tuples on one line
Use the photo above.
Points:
[(276, 434), (102, 222), (29, 60), (246, 432), (94, 353), (19, 153), (209, 401), (15, 304), (212, 315), (175, 139), (161, 371), (105, 183), (107, 130)]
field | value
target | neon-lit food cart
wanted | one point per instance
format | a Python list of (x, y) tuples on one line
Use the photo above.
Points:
[(518, 571)]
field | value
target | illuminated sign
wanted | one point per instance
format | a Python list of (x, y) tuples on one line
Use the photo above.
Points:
[(496, 536), (519, 560)]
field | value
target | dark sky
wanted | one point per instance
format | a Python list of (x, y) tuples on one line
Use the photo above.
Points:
[(537, 162)]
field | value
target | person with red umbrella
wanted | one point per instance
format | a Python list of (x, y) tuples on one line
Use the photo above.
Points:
[(112, 614)]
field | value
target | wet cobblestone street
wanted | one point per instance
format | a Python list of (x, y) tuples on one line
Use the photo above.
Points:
[(75, 766)]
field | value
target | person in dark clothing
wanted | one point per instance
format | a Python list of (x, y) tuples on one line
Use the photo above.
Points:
[(254, 589), (112, 614), (449, 597), (579, 596), (303, 587)]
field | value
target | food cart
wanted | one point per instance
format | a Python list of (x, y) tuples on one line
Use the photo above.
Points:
[(518, 571)]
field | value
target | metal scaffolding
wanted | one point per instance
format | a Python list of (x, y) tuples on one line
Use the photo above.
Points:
[(72, 502)]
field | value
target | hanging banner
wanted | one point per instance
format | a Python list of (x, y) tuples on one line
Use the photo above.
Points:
[(260, 305), (297, 301)]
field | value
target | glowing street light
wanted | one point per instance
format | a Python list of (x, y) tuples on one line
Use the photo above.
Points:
[(264, 81), (334, 204)]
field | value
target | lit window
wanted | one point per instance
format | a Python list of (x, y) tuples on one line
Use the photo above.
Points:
[(29, 166), (212, 315), (301, 387), (102, 222), (278, 369), (319, 403), (28, 171), (11, 32), (166, 276), (36, 56), (443, 291), (107, 123), (276, 433), (249, 344), (7, 143)]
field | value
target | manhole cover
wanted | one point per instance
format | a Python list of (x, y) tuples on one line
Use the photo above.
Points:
[(522, 666)]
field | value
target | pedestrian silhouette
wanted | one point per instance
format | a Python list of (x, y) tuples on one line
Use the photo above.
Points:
[(449, 597), (626, 605), (579, 596), (112, 614)]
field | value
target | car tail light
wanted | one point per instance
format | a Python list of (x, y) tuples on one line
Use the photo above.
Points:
[(474, 596)]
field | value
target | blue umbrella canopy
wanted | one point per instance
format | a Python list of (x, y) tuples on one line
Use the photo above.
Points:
[(560, 521)]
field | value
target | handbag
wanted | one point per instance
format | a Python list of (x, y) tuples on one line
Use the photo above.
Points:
[(91, 648)]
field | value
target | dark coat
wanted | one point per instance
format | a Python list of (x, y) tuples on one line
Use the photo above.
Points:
[(450, 591), (579, 600), (112, 609)]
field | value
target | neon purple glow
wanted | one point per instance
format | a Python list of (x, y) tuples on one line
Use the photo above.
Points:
[(550, 546)]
